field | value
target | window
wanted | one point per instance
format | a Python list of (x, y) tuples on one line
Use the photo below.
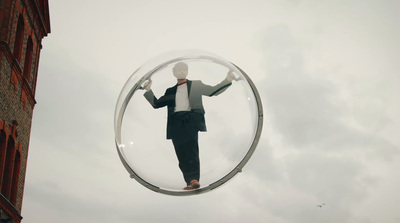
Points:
[(19, 38), (8, 168), (15, 178), (2, 154), (28, 59), (10, 165)]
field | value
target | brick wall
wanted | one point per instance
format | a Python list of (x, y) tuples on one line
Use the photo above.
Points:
[(17, 93)]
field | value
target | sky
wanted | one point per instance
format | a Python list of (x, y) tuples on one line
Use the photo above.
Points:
[(327, 73)]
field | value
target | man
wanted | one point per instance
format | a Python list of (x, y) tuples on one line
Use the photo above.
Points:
[(186, 118)]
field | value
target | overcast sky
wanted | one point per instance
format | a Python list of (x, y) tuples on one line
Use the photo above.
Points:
[(328, 76)]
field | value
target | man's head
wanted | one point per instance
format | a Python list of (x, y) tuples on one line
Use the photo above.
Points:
[(180, 70)]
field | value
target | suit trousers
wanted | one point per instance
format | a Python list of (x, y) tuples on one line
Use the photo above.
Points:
[(185, 140)]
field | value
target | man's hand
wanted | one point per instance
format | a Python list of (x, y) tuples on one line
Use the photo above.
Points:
[(230, 76), (147, 85)]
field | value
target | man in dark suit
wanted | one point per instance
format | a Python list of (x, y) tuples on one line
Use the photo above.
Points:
[(186, 117)]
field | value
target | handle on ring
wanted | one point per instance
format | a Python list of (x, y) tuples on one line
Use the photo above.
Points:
[(148, 79)]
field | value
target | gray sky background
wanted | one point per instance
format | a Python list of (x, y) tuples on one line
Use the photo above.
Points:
[(328, 75)]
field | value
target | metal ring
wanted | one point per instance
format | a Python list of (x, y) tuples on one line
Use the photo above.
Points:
[(120, 110)]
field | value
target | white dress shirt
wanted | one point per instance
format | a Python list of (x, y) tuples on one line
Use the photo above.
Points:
[(182, 98)]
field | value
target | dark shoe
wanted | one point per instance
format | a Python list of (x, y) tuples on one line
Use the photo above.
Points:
[(195, 184), (188, 188)]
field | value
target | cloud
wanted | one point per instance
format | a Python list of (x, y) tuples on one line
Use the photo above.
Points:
[(331, 116), (306, 109), (319, 155)]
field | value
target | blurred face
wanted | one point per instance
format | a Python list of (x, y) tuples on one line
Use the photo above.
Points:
[(180, 70)]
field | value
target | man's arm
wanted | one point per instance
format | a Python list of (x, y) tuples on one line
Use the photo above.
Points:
[(219, 88), (158, 102)]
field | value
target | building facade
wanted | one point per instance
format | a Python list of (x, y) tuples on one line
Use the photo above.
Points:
[(23, 25)]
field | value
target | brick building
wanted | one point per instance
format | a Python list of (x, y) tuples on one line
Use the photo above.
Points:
[(23, 25)]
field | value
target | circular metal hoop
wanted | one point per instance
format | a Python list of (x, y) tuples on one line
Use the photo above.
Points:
[(125, 97)]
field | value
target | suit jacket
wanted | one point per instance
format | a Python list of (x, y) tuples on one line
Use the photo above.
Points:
[(196, 89)]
